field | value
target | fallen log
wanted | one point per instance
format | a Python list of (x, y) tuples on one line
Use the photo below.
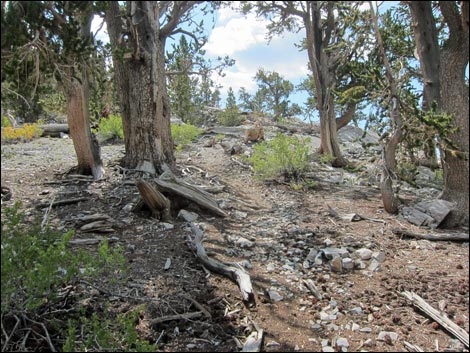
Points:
[(167, 182), (231, 271), (54, 130)]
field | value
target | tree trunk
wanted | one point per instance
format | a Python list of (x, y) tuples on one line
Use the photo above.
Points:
[(389, 161), (443, 72), (85, 144), (78, 109), (141, 78), (324, 81)]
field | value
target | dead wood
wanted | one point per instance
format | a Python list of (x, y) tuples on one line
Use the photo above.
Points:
[(54, 130), (61, 202), (154, 199), (439, 317), (231, 271), (167, 182), (185, 316), (92, 241), (254, 342), (412, 347), (432, 236)]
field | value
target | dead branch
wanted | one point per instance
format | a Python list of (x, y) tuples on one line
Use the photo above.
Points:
[(61, 202), (185, 316), (439, 317), (432, 236), (233, 272)]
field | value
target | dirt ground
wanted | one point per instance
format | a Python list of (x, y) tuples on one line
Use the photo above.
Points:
[(270, 231)]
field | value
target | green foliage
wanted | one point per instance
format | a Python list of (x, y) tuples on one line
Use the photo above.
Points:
[(5, 121), (111, 128), (230, 117), (36, 262), (111, 335), (284, 155), (407, 172), (184, 134), (275, 90), (326, 158)]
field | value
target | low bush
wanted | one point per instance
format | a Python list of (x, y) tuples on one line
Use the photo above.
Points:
[(230, 117), (21, 134), (111, 128), (36, 262), (184, 134), (284, 155)]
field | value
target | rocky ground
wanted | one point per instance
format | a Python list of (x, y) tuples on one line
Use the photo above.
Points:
[(335, 236)]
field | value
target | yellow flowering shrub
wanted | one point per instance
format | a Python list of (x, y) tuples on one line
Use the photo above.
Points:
[(23, 134)]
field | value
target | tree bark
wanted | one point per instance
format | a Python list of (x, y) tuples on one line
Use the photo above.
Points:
[(443, 70), (324, 79), (140, 75), (78, 104)]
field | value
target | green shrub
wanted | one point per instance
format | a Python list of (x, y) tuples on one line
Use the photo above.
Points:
[(230, 117), (116, 335), (111, 128), (284, 155), (36, 262), (184, 134), (5, 121), (326, 158)]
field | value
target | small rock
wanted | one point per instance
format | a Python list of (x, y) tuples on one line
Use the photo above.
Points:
[(374, 266), (388, 337), (191, 346), (336, 264), (365, 330), (273, 344), (187, 216), (369, 342), (239, 214), (166, 226), (355, 327), (271, 267), (275, 296), (363, 253), (348, 263), (328, 242), (342, 342), (327, 349), (378, 256), (244, 243), (128, 207), (167, 264)]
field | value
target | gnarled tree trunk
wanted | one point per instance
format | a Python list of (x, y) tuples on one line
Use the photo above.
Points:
[(443, 70), (140, 75)]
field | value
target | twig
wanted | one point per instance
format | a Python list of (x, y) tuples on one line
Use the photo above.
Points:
[(46, 214), (185, 316), (433, 236), (8, 337), (199, 306), (412, 347), (62, 202)]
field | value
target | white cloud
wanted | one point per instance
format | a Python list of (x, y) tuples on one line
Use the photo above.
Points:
[(237, 34)]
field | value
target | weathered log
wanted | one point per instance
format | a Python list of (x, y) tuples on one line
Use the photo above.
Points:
[(54, 130), (433, 236), (231, 271), (167, 182), (154, 199)]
